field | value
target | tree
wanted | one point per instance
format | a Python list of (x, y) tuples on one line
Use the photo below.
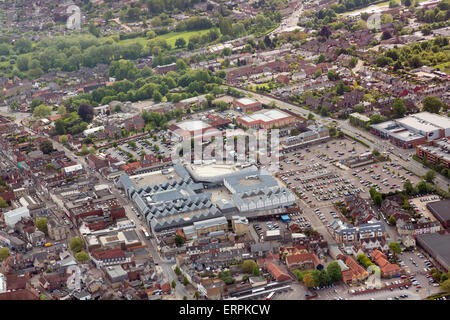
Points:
[(376, 118), (432, 104), (376, 153), (399, 107), (184, 298), (177, 271), (185, 281), (395, 248), (181, 65), (325, 32), (23, 63), (321, 58), (179, 240), (3, 203), (76, 244), (422, 187), (378, 200), (4, 253), (157, 97), (174, 284), (22, 45), (429, 176), (82, 257), (408, 187), (446, 285), (86, 112), (391, 220), (196, 295), (46, 146), (310, 116), (180, 43), (256, 271), (308, 280), (332, 131), (334, 271), (248, 266), (41, 224), (42, 111), (62, 110)]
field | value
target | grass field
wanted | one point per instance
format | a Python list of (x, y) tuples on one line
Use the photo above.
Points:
[(170, 37)]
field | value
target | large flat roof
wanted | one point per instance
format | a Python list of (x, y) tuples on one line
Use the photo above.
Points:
[(437, 245), (266, 116), (213, 170), (246, 101), (440, 210), (193, 125), (406, 135), (425, 122)]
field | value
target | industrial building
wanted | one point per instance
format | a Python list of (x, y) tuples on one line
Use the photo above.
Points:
[(436, 245), (414, 130), (193, 129), (267, 119), (441, 211), (247, 104)]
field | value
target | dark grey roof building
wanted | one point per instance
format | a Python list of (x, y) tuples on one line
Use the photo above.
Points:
[(441, 210), (438, 247)]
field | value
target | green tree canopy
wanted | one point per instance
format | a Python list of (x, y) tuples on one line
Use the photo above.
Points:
[(4, 253), (46, 146), (41, 224), (248, 266), (429, 176), (3, 203), (432, 104), (334, 271), (82, 256), (42, 111), (76, 244)]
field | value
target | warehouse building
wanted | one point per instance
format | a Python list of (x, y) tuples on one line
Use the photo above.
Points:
[(436, 245), (247, 104), (267, 119), (414, 130), (441, 211)]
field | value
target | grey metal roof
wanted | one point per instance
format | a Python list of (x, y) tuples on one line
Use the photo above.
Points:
[(210, 222), (266, 181), (437, 245)]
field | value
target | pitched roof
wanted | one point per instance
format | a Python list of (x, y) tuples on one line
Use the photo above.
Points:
[(276, 272)]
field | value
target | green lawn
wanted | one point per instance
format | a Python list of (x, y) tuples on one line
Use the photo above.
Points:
[(170, 37)]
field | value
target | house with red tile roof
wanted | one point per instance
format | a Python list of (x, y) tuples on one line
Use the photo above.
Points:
[(276, 272), (387, 269), (165, 288), (21, 294), (376, 254), (354, 273), (390, 270), (302, 261)]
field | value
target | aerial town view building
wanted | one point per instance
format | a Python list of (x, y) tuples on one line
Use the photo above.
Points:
[(225, 150)]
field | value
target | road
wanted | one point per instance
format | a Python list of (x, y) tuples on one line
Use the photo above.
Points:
[(398, 155), (290, 22)]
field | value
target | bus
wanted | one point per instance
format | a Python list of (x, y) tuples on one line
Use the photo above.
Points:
[(145, 233), (49, 244), (269, 297)]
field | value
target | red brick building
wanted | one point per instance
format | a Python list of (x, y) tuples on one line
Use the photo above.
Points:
[(247, 104)]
